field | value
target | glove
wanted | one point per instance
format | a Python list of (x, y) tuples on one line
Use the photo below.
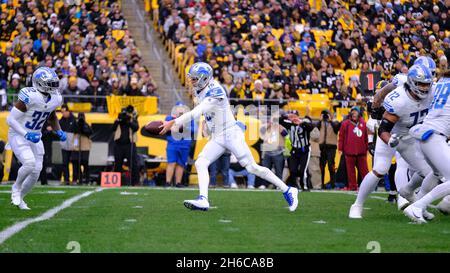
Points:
[(394, 141), (62, 135), (372, 148), (33, 137)]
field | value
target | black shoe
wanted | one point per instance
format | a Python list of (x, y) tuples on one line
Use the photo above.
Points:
[(392, 198), (180, 186), (166, 185)]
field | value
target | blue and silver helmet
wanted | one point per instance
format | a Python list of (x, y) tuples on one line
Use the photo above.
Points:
[(200, 74), (428, 62), (420, 80), (45, 80)]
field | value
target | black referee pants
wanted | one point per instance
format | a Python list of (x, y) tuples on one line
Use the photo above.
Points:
[(298, 167)]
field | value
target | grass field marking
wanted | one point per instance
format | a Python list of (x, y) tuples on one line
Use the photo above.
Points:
[(17, 227)]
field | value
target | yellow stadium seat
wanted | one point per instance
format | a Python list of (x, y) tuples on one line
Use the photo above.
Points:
[(316, 107), (304, 97), (341, 112), (319, 97), (300, 106)]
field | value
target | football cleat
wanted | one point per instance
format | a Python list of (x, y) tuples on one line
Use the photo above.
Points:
[(23, 206), (16, 197), (291, 196), (355, 212), (402, 203), (428, 215), (415, 214), (201, 203), (444, 205)]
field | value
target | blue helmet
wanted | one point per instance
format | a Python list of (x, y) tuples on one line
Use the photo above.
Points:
[(419, 80), (45, 80), (200, 74), (428, 62)]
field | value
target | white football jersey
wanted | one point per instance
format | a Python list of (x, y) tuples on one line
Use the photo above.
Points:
[(410, 111), (38, 108), (220, 117), (439, 114)]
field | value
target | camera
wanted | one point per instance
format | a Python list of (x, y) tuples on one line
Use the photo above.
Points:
[(325, 116), (123, 116)]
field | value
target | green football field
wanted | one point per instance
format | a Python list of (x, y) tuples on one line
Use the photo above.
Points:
[(155, 220)]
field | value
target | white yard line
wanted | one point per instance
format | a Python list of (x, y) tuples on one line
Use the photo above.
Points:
[(17, 227)]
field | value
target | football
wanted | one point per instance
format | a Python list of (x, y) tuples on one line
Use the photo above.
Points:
[(153, 127)]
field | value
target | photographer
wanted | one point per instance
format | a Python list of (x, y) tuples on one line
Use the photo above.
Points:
[(328, 144), (125, 136), (67, 123), (81, 148)]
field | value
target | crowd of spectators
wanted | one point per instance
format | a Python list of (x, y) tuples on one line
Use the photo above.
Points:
[(87, 42), (272, 49)]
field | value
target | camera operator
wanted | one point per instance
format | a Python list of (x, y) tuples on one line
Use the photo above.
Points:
[(328, 144), (81, 148), (125, 135)]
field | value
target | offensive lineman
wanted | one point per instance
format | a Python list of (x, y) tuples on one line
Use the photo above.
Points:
[(225, 135), (432, 136), (35, 105), (406, 106)]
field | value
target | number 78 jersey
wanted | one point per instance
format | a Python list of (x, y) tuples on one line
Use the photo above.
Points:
[(410, 111), (438, 117), (38, 108)]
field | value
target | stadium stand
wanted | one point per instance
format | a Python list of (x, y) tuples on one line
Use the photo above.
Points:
[(292, 42), (88, 43)]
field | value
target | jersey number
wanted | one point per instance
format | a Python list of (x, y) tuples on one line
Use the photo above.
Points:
[(38, 120), (416, 116), (441, 96)]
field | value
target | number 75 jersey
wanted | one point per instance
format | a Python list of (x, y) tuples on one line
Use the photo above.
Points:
[(410, 111), (438, 117), (38, 108)]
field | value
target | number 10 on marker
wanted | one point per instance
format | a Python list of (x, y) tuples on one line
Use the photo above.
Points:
[(111, 179)]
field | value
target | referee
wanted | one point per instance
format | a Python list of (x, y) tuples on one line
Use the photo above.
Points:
[(299, 135)]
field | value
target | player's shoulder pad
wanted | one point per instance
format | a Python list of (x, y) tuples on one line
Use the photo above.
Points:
[(215, 90), (399, 79), (394, 102), (26, 95)]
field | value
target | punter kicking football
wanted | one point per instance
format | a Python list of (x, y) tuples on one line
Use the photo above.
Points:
[(225, 135)]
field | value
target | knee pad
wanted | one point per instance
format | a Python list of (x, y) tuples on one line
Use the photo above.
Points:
[(28, 165), (38, 168), (202, 163), (256, 169)]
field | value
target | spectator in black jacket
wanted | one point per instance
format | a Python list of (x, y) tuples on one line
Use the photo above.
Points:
[(67, 123), (299, 134)]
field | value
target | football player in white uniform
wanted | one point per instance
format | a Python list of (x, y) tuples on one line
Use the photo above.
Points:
[(401, 78), (405, 107), (225, 135), (35, 105), (403, 172), (432, 136)]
